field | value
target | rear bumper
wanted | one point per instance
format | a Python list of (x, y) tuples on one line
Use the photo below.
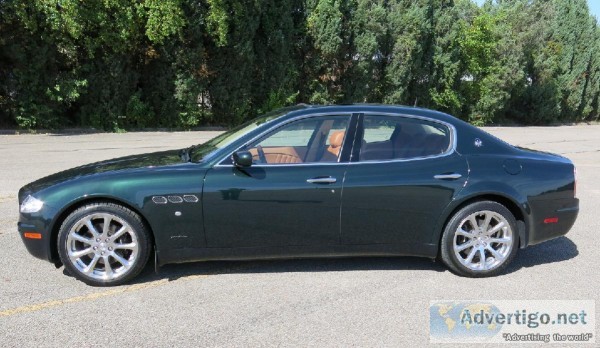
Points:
[(552, 219)]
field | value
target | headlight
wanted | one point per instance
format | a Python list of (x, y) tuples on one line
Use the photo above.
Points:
[(31, 205)]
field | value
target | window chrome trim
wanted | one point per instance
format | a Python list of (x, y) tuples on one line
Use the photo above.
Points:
[(451, 148)]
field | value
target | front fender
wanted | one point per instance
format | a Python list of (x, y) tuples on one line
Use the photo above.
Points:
[(174, 224)]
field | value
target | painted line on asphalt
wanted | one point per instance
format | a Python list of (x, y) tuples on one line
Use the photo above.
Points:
[(7, 198), (84, 298), (98, 295)]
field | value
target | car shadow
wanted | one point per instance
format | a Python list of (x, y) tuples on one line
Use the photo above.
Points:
[(555, 250), (210, 268)]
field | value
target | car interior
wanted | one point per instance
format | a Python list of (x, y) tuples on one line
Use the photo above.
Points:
[(305, 142), (298, 154), (408, 140)]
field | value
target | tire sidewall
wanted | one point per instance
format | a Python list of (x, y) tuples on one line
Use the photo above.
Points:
[(123, 213)]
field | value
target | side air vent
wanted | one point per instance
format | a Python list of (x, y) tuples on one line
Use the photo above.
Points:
[(190, 198), (159, 200), (175, 199)]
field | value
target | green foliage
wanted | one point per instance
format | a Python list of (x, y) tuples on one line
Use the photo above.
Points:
[(325, 24), (447, 66), (138, 113), (484, 76), (164, 18), (127, 64), (218, 21)]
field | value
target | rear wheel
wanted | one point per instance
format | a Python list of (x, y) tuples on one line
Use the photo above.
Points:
[(103, 244), (480, 240)]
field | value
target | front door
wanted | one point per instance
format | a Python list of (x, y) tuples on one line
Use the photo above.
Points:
[(291, 194)]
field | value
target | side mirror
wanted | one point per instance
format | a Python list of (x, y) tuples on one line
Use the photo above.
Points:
[(242, 158)]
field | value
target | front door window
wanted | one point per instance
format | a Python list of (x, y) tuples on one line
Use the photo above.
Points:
[(311, 140)]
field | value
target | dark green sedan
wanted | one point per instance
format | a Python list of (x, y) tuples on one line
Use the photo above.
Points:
[(307, 181)]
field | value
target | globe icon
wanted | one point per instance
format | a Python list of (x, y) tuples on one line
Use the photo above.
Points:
[(459, 321)]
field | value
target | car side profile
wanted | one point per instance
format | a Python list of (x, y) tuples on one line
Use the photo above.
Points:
[(306, 181)]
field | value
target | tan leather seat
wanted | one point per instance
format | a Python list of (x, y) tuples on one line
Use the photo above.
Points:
[(279, 154), (336, 139)]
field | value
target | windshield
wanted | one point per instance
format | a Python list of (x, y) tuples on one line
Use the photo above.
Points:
[(206, 150)]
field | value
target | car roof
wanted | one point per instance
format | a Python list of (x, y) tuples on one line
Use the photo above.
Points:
[(304, 109)]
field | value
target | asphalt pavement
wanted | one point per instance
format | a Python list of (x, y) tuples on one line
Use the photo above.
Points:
[(369, 302)]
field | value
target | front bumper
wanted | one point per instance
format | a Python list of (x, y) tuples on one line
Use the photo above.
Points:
[(39, 248), (40, 222)]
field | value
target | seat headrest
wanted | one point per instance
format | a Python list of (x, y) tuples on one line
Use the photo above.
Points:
[(396, 133), (336, 138)]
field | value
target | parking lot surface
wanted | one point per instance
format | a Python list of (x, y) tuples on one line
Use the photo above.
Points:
[(311, 303)]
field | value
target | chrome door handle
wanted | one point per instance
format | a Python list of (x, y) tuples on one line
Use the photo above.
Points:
[(451, 176), (322, 180)]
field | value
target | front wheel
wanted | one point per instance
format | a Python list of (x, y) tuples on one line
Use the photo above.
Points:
[(103, 244), (480, 240)]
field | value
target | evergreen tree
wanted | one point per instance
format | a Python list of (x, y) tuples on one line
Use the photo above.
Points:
[(124, 64)]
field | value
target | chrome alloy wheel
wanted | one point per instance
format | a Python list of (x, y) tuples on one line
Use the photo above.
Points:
[(102, 246), (483, 240)]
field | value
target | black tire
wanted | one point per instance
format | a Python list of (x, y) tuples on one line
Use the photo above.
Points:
[(478, 242), (127, 254)]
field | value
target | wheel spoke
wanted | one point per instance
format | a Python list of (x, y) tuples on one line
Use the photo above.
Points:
[(128, 246), (81, 238), (107, 267), (499, 240), (495, 229), (497, 255), (92, 228), (471, 255), (78, 254), (486, 222), (481, 258), (464, 246), (462, 232), (92, 264), (121, 260), (119, 233), (105, 228), (473, 221)]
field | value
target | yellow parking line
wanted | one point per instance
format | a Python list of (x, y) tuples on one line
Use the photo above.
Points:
[(102, 294), (84, 298)]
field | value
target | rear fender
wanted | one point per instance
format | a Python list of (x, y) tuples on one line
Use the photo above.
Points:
[(495, 191)]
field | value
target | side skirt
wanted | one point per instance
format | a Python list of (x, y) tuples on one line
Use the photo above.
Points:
[(291, 252)]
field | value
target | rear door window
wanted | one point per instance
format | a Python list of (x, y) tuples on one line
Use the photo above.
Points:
[(395, 137)]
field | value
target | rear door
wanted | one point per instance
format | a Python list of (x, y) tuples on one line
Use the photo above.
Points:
[(405, 172)]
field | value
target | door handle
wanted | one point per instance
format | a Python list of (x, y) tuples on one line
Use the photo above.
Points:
[(449, 176), (322, 180)]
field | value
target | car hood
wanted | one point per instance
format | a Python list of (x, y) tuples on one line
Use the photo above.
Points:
[(128, 163)]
